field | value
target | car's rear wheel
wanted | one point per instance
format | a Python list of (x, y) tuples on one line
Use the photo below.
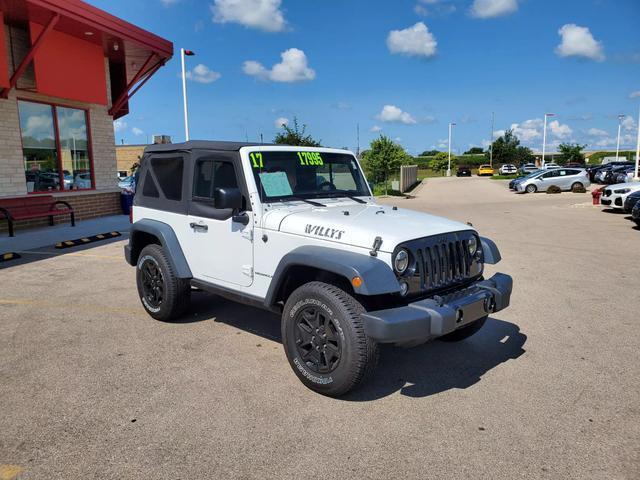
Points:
[(531, 189), (464, 332), (324, 339), (164, 296), (577, 186)]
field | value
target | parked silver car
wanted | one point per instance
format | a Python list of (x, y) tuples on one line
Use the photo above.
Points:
[(565, 178)]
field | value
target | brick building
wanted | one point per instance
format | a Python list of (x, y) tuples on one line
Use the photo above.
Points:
[(67, 70)]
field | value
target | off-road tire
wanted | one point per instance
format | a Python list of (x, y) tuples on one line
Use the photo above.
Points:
[(531, 189), (176, 292), (358, 352), (464, 332)]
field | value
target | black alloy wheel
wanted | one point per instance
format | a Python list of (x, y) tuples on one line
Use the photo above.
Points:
[(317, 340), (152, 283)]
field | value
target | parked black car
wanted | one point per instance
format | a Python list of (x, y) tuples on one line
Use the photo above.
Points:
[(592, 170), (611, 176), (631, 201), (463, 172), (635, 214)]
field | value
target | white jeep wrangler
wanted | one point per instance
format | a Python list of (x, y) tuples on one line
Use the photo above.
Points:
[(296, 231)]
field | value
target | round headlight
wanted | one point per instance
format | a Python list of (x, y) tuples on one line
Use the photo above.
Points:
[(401, 262), (404, 288), (472, 245)]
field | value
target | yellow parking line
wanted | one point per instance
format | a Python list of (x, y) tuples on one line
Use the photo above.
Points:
[(9, 472), (74, 306)]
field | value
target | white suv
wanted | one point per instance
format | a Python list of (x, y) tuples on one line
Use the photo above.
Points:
[(614, 195), (296, 231)]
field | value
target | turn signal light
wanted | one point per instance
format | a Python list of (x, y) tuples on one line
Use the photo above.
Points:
[(356, 282)]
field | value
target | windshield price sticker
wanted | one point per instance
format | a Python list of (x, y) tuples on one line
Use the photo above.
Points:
[(310, 158), (256, 159)]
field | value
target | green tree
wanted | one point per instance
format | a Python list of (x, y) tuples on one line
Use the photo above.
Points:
[(504, 148), (523, 155), (295, 136), (571, 152), (441, 162), (474, 151), (383, 158), (429, 153)]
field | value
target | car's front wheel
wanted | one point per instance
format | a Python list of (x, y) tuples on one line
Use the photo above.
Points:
[(531, 189), (163, 295), (324, 339)]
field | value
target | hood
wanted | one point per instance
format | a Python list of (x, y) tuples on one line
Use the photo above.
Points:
[(631, 185), (357, 224)]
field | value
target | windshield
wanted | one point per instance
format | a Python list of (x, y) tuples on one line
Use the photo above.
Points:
[(287, 175)]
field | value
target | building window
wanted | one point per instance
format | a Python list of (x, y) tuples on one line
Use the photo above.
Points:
[(55, 147)]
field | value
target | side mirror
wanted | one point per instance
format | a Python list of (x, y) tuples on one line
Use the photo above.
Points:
[(227, 198)]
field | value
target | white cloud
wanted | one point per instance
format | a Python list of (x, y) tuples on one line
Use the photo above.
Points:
[(119, 125), (168, 3), (392, 114), (635, 94), (493, 8), (137, 131), (280, 121), (528, 130), (412, 41), (629, 123), (597, 132), (560, 130), (579, 42), (375, 129), (261, 14), (436, 7), (605, 142), (292, 68), (202, 74)]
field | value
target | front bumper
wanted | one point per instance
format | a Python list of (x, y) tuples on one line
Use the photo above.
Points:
[(437, 316)]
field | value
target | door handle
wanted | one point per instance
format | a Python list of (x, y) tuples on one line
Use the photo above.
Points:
[(201, 227)]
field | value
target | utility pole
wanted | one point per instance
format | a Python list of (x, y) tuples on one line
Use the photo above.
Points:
[(620, 117), (638, 149), (544, 137), (451, 124), (491, 144), (358, 140), (188, 53)]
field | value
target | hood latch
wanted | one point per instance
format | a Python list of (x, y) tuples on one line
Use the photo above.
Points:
[(377, 243)]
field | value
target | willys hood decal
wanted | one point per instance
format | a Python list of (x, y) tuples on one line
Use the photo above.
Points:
[(359, 225)]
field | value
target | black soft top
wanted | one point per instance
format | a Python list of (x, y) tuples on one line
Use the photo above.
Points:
[(203, 145)]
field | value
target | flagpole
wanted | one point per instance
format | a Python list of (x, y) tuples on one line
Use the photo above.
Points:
[(184, 97)]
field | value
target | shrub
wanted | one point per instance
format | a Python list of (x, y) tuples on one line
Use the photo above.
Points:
[(579, 189), (554, 189)]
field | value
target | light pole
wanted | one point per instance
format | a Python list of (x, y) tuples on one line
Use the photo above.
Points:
[(491, 144), (637, 150), (184, 53), (620, 117), (451, 124), (544, 136)]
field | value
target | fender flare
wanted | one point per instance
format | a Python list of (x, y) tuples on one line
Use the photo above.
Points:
[(377, 277), (490, 251), (169, 241)]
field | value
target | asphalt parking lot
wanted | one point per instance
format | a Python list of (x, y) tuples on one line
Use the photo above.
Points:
[(91, 387)]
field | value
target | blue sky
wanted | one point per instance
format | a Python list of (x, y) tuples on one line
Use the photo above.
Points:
[(399, 67)]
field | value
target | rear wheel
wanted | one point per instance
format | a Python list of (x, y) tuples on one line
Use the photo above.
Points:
[(324, 340), (577, 186), (531, 189), (464, 332), (164, 296)]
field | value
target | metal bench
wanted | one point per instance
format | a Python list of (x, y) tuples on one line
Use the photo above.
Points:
[(36, 206)]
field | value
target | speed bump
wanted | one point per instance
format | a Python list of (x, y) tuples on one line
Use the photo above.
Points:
[(5, 257), (85, 240)]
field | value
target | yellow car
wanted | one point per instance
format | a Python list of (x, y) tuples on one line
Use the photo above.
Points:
[(485, 170)]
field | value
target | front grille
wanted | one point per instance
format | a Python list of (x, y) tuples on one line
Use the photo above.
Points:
[(442, 261), (443, 264)]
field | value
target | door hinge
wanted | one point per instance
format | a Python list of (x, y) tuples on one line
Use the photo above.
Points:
[(248, 234), (247, 270)]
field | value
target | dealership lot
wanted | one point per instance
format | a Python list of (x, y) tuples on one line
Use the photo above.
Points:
[(91, 387)]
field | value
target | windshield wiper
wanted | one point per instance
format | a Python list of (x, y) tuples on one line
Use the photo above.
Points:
[(310, 202), (344, 194)]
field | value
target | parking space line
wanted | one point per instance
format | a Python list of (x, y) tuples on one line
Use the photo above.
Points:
[(9, 472)]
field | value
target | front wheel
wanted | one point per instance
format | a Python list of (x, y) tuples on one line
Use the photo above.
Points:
[(324, 339), (531, 189), (464, 332)]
